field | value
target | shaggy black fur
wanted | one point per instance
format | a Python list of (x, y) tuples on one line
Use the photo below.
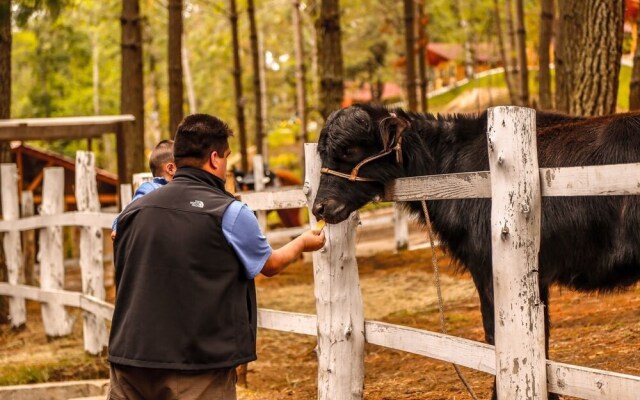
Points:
[(588, 243)]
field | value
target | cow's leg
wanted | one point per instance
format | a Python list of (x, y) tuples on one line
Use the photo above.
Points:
[(484, 285)]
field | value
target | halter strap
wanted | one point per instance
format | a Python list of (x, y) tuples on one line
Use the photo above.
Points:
[(353, 177)]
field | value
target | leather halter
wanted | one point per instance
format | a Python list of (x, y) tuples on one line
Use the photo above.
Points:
[(353, 177)]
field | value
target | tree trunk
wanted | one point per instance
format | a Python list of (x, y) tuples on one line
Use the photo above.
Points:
[(131, 141), (512, 72), (95, 61), (263, 89), (634, 87), (567, 29), (422, 50), (5, 72), (5, 66), (589, 52), (5, 112), (376, 89), (410, 66), (176, 89), (468, 46), (153, 85), (188, 79), (330, 63), (237, 81), (301, 94), (523, 68), (544, 74), (503, 53), (314, 77), (257, 87), (154, 98)]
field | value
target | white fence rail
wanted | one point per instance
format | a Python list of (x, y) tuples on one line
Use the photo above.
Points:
[(338, 300)]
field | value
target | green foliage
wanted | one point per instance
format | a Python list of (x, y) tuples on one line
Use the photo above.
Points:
[(493, 81), (24, 375), (282, 142), (53, 59), (52, 64), (25, 9), (626, 43), (284, 134), (623, 88), (80, 366)]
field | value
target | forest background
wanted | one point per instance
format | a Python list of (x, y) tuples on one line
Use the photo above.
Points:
[(67, 60)]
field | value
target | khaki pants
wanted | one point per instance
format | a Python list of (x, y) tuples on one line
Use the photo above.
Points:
[(132, 383)]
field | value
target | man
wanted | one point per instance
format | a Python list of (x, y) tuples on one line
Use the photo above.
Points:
[(162, 168), (185, 258)]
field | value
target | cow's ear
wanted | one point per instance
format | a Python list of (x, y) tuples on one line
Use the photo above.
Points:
[(391, 130)]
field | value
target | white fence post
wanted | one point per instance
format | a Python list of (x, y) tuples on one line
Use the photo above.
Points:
[(139, 178), (28, 238), (12, 247), (258, 186), (515, 237), (338, 300), (91, 252), (126, 194), (55, 318), (401, 227)]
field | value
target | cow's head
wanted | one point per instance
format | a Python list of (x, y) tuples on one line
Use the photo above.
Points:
[(361, 149)]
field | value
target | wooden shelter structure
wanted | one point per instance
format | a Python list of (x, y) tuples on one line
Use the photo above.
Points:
[(31, 161), (75, 128)]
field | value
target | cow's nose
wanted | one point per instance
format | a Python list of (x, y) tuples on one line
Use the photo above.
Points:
[(318, 209)]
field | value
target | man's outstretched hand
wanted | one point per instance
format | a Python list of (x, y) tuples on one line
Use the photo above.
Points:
[(313, 240)]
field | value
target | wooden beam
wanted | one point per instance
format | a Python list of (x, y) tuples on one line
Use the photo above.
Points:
[(71, 199), (38, 179), (280, 198), (103, 220), (61, 128), (590, 180)]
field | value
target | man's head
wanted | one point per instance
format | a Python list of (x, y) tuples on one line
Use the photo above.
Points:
[(202, 141), (161, 161)]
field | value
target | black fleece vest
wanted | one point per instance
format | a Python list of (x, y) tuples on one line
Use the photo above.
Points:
[(183, 301)]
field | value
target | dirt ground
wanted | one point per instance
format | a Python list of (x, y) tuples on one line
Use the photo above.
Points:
[(599, 331)]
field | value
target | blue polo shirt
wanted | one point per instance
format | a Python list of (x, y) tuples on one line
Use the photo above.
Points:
[(241, 229)]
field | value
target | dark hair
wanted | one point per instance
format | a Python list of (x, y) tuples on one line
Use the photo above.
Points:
[(161, 154), (197, 136)]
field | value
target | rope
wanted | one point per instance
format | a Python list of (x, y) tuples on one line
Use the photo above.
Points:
[(436, 272)]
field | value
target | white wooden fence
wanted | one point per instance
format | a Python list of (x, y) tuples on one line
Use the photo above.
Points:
[(515, 186)]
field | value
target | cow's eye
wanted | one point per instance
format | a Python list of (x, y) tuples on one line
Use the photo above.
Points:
[(350, 153)]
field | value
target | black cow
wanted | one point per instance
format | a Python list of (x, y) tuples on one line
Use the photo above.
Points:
[(588, 243)]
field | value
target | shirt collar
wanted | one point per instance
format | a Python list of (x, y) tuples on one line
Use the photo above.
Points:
[(159, 180), (200, 175)]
